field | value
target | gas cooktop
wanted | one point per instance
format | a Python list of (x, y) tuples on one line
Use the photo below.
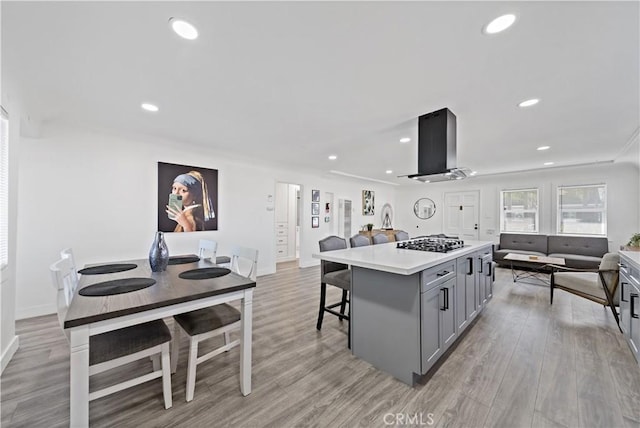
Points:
[(438, 245)]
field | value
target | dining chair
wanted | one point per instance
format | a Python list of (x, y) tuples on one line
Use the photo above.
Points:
[(208, 248), (67, 253), (118, 347), (338, 275), (401, 235), (380, 238), (213, 321), (598, 285), (359, 241)]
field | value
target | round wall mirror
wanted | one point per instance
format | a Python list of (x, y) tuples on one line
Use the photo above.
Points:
[(424, 208)]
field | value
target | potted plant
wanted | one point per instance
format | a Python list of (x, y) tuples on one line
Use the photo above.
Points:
[(369, 227), (634, 241)]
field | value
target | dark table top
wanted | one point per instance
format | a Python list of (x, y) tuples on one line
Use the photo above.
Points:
[(168, 290)]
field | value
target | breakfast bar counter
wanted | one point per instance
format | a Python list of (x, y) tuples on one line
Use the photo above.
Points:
[(408, 306)]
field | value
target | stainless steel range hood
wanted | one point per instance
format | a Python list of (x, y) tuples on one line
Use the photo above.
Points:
[(437, 148)]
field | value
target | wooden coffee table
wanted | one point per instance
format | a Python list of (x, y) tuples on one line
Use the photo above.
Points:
[(536, 264)]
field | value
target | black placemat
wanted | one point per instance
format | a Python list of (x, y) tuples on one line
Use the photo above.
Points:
[(223, 259), (180, 260), (204, 273), (117, 286), (117, 267)]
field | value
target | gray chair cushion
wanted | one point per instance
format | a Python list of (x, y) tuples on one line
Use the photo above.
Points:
[(523, 242), (359, 241), (340, 278), (129, 340), (401, 235), (221, 260), (207, 319), (580, 245), (380, 238), (331, 243)]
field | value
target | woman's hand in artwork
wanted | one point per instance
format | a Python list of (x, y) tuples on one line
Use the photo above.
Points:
[(183, 217)]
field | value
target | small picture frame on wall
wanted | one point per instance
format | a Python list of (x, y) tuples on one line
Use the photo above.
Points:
[(315, 208), (368, 202), (315, 196), (315, 222)]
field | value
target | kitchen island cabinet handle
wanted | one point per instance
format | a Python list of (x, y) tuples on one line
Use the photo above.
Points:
[(622, 284), (470, 259), (443, 273), (634, 296)]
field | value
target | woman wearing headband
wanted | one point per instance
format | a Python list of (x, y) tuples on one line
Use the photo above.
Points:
[(197, 206)]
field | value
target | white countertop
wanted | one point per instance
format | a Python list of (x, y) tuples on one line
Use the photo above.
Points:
[(388, 258), (634, 256)]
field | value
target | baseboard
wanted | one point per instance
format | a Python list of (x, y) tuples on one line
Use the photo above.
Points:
[(7, 354), (35, 311)]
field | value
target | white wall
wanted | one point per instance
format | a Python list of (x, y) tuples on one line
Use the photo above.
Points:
[(97, 194), (623, 188)]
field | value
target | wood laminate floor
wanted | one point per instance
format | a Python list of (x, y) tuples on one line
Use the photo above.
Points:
[(523, 363)]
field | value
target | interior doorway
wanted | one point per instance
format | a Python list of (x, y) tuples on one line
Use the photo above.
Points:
[(461, 214), (287, 222)]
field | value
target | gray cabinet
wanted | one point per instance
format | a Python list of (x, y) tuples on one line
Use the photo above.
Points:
[(466, 291), (484, 277), (630, 302), (437, 313)]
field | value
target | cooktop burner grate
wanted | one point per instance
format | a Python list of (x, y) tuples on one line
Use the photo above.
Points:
[(437, 245)]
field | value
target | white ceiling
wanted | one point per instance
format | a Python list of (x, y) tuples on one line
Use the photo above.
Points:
[(295, 82)]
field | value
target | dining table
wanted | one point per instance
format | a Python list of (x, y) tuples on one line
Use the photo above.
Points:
[(89, 315)]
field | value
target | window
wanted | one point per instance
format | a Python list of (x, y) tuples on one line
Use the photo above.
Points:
[(582, 210), (519, 211), (4, 188)]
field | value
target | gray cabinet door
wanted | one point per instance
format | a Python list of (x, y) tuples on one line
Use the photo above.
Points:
[(625, 301), (634, 313), (448, 314), (465, 292), (432, 304), (487, 278)]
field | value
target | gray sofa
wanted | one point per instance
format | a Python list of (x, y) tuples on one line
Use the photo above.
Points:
[(580, 252)]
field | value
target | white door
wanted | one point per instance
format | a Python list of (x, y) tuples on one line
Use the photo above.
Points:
[(461, 214)]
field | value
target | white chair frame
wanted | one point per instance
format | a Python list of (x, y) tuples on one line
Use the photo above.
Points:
[(207, 249), (237, 253), (65, 281)]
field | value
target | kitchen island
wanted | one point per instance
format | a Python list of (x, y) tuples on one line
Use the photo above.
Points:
[(408, 307)]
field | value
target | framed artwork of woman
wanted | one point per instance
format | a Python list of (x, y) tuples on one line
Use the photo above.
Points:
[(187, 198)]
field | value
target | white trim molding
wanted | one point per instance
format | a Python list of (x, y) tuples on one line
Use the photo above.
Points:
[(7, 354)]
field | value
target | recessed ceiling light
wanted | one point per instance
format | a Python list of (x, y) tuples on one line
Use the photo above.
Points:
[(543, 148), (548, 163), (183, 29), (529, 103), (149, 107), (414, 178), (499, 24), (426, 181), (473, 172), (405, 139), (389, 171), (333, 157)]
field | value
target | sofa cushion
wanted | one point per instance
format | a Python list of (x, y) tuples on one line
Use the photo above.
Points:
[(577, 261), (580, 245), (523, 242)]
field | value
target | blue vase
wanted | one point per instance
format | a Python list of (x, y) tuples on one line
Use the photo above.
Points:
[(159, 254)]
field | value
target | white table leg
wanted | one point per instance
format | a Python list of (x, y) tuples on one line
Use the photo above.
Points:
[(79, 386), (245, 341)]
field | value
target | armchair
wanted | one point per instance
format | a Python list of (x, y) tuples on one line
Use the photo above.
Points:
[(598, 285)]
